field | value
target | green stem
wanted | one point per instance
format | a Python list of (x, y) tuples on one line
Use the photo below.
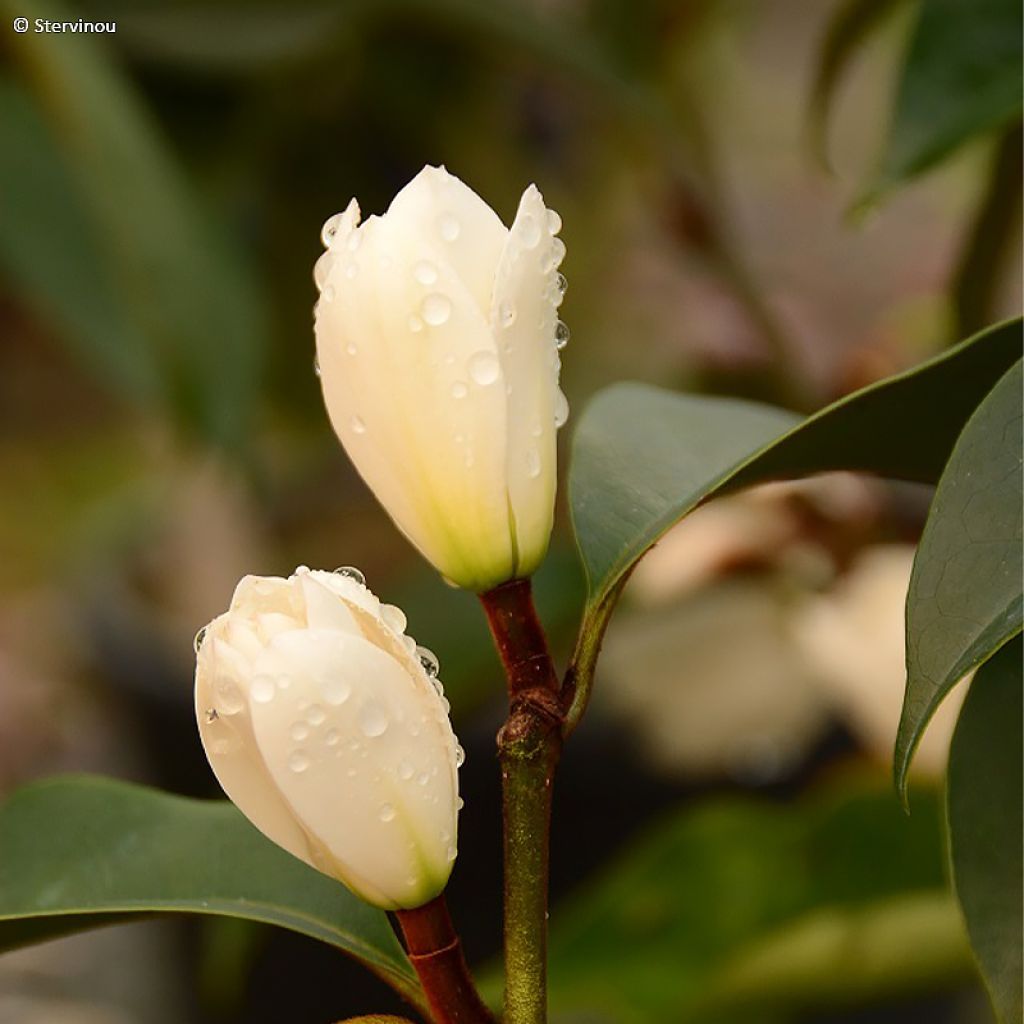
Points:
[(528, 748)]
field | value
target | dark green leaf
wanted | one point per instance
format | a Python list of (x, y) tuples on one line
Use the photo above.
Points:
[(986, 763), (184, 287), (79, 852), (964, 600), (643, 457), (740, 909), (961, 79), (855, 21)]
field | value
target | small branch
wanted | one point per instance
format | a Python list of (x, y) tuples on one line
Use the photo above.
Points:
[(528, 747), (436, 954)]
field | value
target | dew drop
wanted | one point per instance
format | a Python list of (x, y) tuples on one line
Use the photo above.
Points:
[(448, 227), (428, 659), (373, 720), (228, 696), (262, 690), (438, 686), (336, 690), (331, 737), (529, 230), (352, 573), (561, 283), (561, 409), (422, 779), (459, 389), (394, 618), (328, 293), (409, 644), (532, 463), (484, 368), (415, 323), (211, 715), (330, 229), (506, 314), (387, 812), (316, 365), (322, 269), (561, 335), (351, 349), (316, 715), (299, 731), (555, 254), (197, 641), (358, 425), (436, 308), (298, 761), (451, 853), (459, 804), (405, 770), (425, 272), (460, 756), (554, 222)]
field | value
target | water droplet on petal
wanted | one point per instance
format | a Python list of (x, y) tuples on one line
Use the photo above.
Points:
[(425, 272), (555, 254), (459, 804), (428, 659), (554, 222), (211, 715), (460, 756), (415, 323), (561, 335), (328, 293), (506, 314), (330, 229), (228, 696), (422, 779), (561, 283), (373, 720), (331, 737), (529, 230), (387, 812), (448, 227), (484, 368), (351, 349), (459, 390), (336, 690), (352, 573), (436, 309), (394, 618), (299, 731), (561, 410), (451, 853), (197, 641), (322, 269), (315, 715), (316, 365), (358, 425), (298, 761), (532, 463), (262, 690), (438, 686)]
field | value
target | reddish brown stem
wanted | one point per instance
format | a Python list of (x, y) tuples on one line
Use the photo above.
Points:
[(528, 747), (436, 954)]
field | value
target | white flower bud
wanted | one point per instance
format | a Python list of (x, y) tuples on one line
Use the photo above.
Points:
[(324, 724), (437, 343)]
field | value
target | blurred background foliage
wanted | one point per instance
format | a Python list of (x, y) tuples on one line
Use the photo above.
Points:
[(778, 200)]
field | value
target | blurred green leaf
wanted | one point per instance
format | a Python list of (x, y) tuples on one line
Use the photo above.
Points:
[(984, 796), (643, 457), (185, 289), (79, 852), (965, 599), (961, 79), (742, 903), (854, 22)]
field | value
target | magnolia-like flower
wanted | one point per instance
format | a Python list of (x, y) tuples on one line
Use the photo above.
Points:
[(326, 725), (437, 342)]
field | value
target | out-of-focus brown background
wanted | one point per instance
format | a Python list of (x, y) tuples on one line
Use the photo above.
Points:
[(161, 430)]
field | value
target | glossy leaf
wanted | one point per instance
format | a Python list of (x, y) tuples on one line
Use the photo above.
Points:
[(985, 796), (184, 289), (643, 457), (79, 852), (961, 79), (964, 600), (741, 909)]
